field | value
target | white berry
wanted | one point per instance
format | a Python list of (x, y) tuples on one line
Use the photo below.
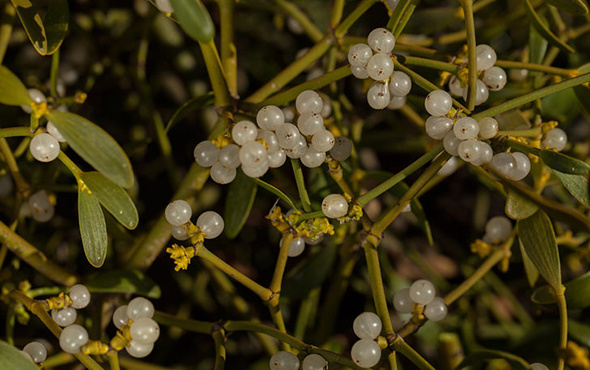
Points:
[(378, 96), (229, 156), (367, 325), (140, 307), (438, 103), (65, 316), (488, 128), (381, 40), (485, 57), (44, 147), (314, 362), (52, 130), (554, 139), (144, 330), (72, 338), (206, 153), (323, 141), (40, 206), (313, 158), (310, 123), (80, 296), (309, 101), (437, 127), (178, 212), (365, 353), (422, 291), (402, 302), (139, 350), (334, 206), (284, 360), (211, 223), (120, 317), (436, 310), (342, 148), (466, 128), (498, 229), (244, 132), (400, 84), (451, 143), (359, 54), (270, 117), (37, 351), (380, 67), (494, 78)]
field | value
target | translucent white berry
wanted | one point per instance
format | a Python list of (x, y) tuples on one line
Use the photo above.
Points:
[(437, 127), (494, 78), (178, 232), (400, 84), (164, 6), (284, 360), (65, 316), (436, 310), (37, 351), (498, 229), (449, 167), (270, 117), (334, 206), (256, 171), (488, 128), (144, 330), (451, 143), (296, 247), (313, 158), (120, 317), (253, 154), (378, 96), (277, 158), (323, 141), (211, 223), (538, 366), (288, 135), (380, 67), (365, 353), (37, 96), (359, 72), (486, 153), (402, 302), (80, 296), (299, 150), (466, 128), (244, 132), (438, 103), (206, 153), (314, 362), (455, 86), (44, 147), (481, 95), (40, 206), (310, 123), (359, 54), (554, 139), (52, 130), (72, 338), (522, 169), (222, 175), (341, 149), (469, 150), (503, 163), (422, 291), (139, 350), (381, 40), (396, 102), (485, 56), (178, 212), (139, 307), (367, 325), (229, 156), (309, 101)]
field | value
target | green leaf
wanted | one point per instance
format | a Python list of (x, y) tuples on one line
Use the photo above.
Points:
[(538, 240), (238, 204), (309, 273), (518, 207), (93, 228), (13, 91), (13, 358), (542, 295), (563, 163), (477, 357), (47, 25), (190, 106), (582, 91), (124, 281), (577, 293), (576, 7), (577, 185), (537, 46), (275, 191), (113, 198), (95, 145), (580, 332), (532, 274), (194, 19), (543, 30)]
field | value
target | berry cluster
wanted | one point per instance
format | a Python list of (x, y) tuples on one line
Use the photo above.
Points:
[(66, 316), (421, 292), (491, 77), (144, 331), (36, 351), (284, 360), (179, 212), (256, 149), (374, 61), (366, 352)]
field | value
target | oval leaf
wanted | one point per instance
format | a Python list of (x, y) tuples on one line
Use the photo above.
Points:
[(543, 30), (46, 28), (113, 198), (542, 295), (518, 207), (95, 145), (537, 46), (194, 19), (538, 240), (238, 204), (13, 358), (93, 228), (124, 281), (577, 185), (563, 163), (532, 274), (577, 292), (477, 357), (579, 331), (576, 7), (13, 91)]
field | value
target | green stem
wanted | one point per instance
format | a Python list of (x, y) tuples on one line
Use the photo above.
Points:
[(311, 215), (229, 58), (277, 317), (21, 184), (395, 179), (305, 202), (277, 277), (471, 54), (220, 352), (509, 64), (405, 18), (377, 288), (54, 73), (405, 349), (15, 132), (353, 17), (337, 11), (294, 12), (114, 360), (531, 132), (429, 63), (397, 14), (6, 20), (532, 96), (562, 305), (216, 74), (75, 170)]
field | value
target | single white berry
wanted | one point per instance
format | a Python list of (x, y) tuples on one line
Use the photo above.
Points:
[(65, 316), (438, 103), (310, 123), (277, 158), (284, 360), (178, 232), (256, 171), (229, 156), (296, 247), (40, 206), (139, 350), (438, 127), (288, 135), (72, 338), (367, 325), (334, 206), (314, 362), (485, 57), (120, 317), (359, 72), (221, 174), (449, 167), (52, 130), (80, 296), (178, 212), (451, 143), (481, 94), (342, 148), (538, 366), (396, 102), (270, 117), (378, 96), (44, 147), (144, 330), (211, 223), (37, 351), (486, 153), (402, 302), (253, 154), (244, 132), (323, 141), (380, 67), (522, 169), (313, 158), (455, 86), (488, 128), (422, 291), (554, 139), (381, 40), (498, 229), (365, 353), (469, 150), (494, 78), (206, 153), (140, 307), (309, 101), (466, 128), (359, 54), (37, 96), (503, 163), (436, 310), (400, 84)]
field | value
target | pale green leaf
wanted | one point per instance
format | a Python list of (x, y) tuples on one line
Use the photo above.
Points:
[(577, 293), (563, 163), (124, 281), (93, 228), (13, 358), (542, 28), (518, 207), (45, 22), (95, 145), (577, 7), (577, 185), (194, 19), (537, 46), (112, 197), (238, 204), (13, 91), (538, 240), (532, 274)]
